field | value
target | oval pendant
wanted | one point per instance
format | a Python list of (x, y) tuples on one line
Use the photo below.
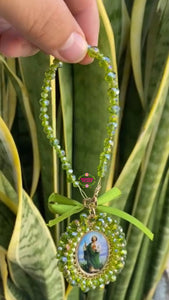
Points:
[(92, 251)]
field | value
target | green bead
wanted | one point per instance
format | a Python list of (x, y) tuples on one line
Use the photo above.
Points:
[(44, 95), (99, 172), (41, 116), (61, 154), (45, 116), (45, 123), (48, 88), (43, 109), (76, 183), (106, 59), (107, 150), (112, 125), (63, 159), (46, 81), (124, 252), (58, 147), (54, 142), (101, 286), (93, 51), (70, 171), (44, 102), (66, 272), (105, 63), (83, 217), (113, 278), (48, 130), (66, 166), (49, 135), (113, 92), (114, 109), (109, 77), (71, 178)]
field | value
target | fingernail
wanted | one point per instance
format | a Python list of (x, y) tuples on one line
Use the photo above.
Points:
[(75, 48)]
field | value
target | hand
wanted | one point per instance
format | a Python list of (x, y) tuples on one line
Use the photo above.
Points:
[(60, 28)]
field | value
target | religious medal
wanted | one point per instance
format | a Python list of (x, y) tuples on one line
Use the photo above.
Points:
[(92, 251)]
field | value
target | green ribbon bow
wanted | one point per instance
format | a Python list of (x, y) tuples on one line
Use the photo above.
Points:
[(66, 207)]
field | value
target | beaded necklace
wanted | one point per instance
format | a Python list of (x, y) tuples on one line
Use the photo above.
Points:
[(113, 109), (92, 251)]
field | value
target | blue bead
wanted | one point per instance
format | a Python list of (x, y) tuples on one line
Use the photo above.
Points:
[(107, 59), (97, 228), (57, 147), (101, 220), (102, 214), (111, 142), (60, 64), (70, 171), (64, 259), (107, 156), (74, 233), (76, 183), (55, 142), (43, 109), (73, 282), (110, 272), (83, 216), (116, 91), (60, 248), (110, 76), (113, 92), (48, 88), (114, 109), (46, 116)]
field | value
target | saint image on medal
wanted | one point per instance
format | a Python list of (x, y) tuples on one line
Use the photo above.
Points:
[(93, 252)]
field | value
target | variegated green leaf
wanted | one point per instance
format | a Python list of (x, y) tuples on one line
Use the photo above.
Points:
[(129, 172), (135, 44), (7, 194), (96, 294), (34, 67), (11, 292), (157, 50), (160, 252), (9, 161), (32, 255), (23, 96), (72, 293), (146, 194), (7, 221)]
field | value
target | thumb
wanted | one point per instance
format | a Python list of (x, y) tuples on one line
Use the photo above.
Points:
[(49, 25)]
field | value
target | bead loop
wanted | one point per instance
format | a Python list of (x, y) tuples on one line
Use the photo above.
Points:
[(113, 110)]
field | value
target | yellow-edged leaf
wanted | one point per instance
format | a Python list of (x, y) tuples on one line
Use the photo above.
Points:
[(32, 255), (9, 159), (22, 94), (135, 44)]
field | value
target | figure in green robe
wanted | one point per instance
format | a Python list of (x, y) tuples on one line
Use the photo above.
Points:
[(92, 256)]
